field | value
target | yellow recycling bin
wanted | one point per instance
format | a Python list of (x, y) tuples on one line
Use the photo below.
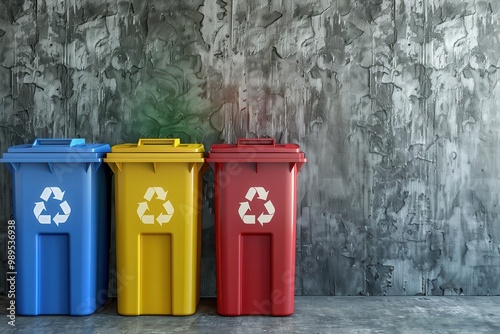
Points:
[(158, 185)]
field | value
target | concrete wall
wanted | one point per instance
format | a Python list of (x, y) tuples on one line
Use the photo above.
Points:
[(395, 103)]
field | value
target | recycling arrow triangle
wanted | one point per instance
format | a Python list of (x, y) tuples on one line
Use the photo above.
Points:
[(244, 207)]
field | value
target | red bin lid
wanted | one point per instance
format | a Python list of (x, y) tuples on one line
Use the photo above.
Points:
[(255, 150)]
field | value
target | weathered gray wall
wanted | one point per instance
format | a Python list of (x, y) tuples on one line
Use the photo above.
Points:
[(394, 102)]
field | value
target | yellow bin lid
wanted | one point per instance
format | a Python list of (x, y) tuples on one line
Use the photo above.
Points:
[(156, 150)]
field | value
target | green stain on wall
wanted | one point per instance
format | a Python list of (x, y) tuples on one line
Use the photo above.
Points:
[(168, 104), (159, 73)]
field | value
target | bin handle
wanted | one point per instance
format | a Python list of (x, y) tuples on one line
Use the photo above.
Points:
[(59, 142), (255, 141), (159, 141)]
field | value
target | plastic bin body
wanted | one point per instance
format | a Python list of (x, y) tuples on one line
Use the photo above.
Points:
[(255, 199), (61, 210), (158, 226)]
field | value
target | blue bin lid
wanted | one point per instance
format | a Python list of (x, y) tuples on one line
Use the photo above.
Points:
[(71, 150)]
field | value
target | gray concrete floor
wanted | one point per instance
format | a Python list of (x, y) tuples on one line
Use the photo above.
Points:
[(312, 315)]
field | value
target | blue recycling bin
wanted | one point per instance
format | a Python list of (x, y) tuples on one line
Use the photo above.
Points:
[(61, 212)]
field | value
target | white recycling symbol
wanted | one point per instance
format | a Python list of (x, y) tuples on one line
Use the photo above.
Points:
[(61, 216), (162, 218), (264, 217)]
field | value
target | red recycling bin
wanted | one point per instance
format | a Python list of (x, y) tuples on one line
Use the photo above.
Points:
[(255, 209)]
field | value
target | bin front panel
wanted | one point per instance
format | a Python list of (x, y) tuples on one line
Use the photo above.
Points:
[(255, 238), (62, 233), (157, 237)]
